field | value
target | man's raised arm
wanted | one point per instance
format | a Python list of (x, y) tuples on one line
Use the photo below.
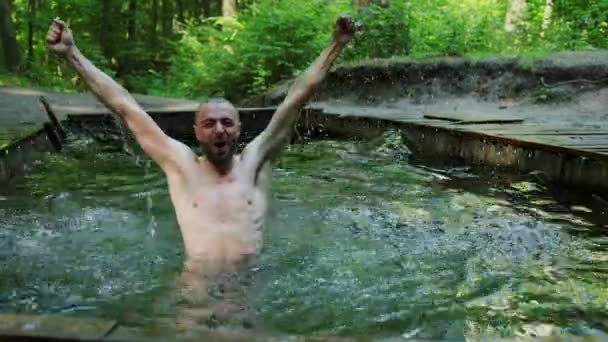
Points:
[(276, 135), (161, 148)]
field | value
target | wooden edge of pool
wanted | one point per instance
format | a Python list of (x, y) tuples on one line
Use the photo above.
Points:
[(17, 155), (438, 141), (583, 168), (43, 328), (50, 328)]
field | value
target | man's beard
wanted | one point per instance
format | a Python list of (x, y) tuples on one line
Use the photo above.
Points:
[(221, 158)]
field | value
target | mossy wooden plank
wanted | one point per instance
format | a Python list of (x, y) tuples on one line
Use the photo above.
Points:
[(468, 118), (54, 326), (10, 135)]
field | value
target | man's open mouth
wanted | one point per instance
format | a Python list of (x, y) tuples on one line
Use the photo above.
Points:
[(220, 144)]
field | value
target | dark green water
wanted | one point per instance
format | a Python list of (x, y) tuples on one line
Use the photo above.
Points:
[(358, 242)]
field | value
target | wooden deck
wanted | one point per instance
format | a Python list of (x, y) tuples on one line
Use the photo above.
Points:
[(573, 154), (55, 327), (23, 119), (590, 141), (21, 112), (51, 328), (569, 149)]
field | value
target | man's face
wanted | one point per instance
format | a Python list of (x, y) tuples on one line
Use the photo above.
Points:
[(217, 129)]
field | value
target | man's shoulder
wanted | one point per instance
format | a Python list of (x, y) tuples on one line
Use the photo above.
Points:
[(246, 171)]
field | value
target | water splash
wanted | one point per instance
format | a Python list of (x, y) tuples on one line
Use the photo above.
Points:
[(152, 225), (140, 161), (358, 242)]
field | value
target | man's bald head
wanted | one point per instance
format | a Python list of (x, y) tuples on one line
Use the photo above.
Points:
[(216, 105), (217, 128)]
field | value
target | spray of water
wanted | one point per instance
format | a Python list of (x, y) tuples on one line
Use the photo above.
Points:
[(150, 204), (141, 162)]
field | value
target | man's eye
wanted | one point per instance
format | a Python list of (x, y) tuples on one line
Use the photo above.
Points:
[(228, 123), (208, 124)]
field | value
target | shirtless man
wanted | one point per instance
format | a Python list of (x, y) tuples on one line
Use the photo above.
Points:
[(220, 199)]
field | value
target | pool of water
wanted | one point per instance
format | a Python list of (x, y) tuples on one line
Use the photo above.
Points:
[(359, 242)]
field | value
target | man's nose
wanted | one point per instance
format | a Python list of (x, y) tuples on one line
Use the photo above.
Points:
[(219, 128)]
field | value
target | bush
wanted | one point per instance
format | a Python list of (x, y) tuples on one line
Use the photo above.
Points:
[(386, 32), (272, 40)]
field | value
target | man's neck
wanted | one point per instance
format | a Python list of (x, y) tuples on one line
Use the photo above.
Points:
[(221, 168)]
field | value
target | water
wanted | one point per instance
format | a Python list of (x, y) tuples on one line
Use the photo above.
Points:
[(359, 242)]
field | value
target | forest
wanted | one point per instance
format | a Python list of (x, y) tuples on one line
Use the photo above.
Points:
[(237, 48)]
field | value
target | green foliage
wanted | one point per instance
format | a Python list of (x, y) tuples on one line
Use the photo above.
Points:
[(185, 50), (448, 27), (386, 32), (270, 41), (581, 23), (41, 68)]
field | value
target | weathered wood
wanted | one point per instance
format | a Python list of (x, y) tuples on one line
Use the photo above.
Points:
[(53, 137), (474, 118), (53, 118), (17, 156), (49, 327)]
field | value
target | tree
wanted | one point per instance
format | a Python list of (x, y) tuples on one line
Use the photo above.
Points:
[(32, 7), (132, 15), (8, 37), (154, 25), (167, 18), (547, 13), (358, 5), (228, 8), (517, 8), (180, 10), (106, 28), (206, 4)]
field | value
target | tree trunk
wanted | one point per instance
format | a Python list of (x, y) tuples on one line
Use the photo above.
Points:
[(167, 18), (30, 29), (180, 11), (358, 5), (228, 8), (206, 4), (547, 14), (132, 15), (517, 8), (154, 25), (125, 67), (8, 37), (195, 9), (105, 28)]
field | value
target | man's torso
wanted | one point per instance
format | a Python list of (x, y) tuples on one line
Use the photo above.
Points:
[(221, 218)]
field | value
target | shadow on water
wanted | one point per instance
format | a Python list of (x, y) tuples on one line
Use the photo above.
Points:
[(359, 242)]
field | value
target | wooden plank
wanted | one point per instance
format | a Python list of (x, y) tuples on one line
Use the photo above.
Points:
[(126, 334), (590, 148), (603, 150), (553, 133), (474, 118), (257, 109), (54, 326), (562, 140), (598, 148), (528, 128)]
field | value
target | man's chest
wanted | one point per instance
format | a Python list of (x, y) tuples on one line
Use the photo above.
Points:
[(224, 197), (229, 202), (201, 199)]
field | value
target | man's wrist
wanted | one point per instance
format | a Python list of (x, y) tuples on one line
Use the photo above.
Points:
[(71, 52), (341, 42)]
